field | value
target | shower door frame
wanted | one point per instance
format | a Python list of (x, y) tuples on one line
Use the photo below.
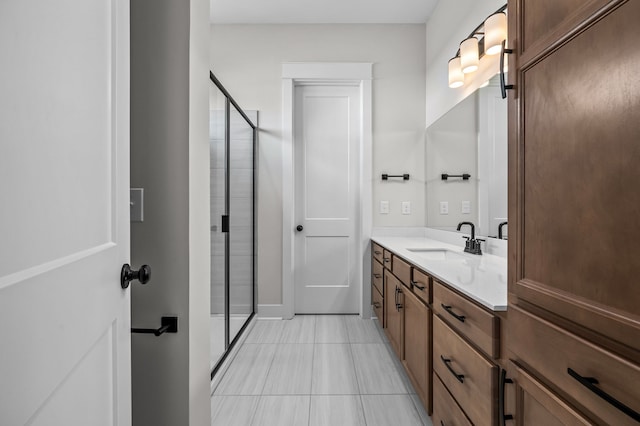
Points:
[(229, 101)]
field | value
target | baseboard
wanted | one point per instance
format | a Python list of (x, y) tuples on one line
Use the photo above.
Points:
[(270, 311)]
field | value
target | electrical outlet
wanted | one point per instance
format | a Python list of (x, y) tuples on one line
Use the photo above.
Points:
[(384, 207), (444, 207), (406, 207), (466, 207)]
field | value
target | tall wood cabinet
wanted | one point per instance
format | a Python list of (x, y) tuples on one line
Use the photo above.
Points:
[(574, 203)]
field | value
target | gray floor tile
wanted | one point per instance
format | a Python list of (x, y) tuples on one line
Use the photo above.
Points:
[(385, 410), (266, 331), (248, 371), (282, 411), (375, 369), (233, 410), (299, 329), (331, 329), (290, 372), (362, 330), (421, 411), (333, 372), (333, 410)]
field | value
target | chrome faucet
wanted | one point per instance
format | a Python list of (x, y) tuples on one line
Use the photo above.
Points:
[(500, 230), (473, 244)]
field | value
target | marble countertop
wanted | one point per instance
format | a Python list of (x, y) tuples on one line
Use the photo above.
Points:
[(482, 278)]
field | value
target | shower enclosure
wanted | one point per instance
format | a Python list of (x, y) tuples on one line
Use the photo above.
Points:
[(232, 139)]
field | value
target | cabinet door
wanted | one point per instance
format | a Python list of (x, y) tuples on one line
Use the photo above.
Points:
[(394, 313), (417, 348), (573, 160), (537, 405)]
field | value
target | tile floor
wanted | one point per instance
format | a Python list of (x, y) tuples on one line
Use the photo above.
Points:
[(335, 370)]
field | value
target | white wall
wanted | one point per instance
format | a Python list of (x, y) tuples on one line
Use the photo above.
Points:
[(170, 160), (450, 23), (248, 61)]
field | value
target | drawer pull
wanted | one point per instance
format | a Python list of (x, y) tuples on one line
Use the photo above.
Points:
[(415, 284), (447, 362), (377, 252), (386, 259), (377, 276), (503, 381), (376, 305), (591, 382), (398, 305), (453, 314)]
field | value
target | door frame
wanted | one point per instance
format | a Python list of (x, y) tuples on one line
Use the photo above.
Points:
[(361, 75)]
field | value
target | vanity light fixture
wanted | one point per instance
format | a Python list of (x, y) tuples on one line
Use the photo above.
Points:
[(456, 76), (495, 30), (486, 39), (469, 55)]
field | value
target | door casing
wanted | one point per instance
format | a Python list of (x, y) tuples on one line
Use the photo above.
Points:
[(359, 74)]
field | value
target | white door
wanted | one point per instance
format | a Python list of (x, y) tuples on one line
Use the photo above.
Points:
[(64, 213), (327, 126)]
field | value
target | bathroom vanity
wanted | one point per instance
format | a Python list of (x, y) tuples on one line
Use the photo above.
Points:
[(442, 311)]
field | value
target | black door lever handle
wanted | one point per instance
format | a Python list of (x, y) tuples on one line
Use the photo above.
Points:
[(167, 325)]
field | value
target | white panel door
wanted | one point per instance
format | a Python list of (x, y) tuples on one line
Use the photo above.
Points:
[(64, 214), (327, 126)]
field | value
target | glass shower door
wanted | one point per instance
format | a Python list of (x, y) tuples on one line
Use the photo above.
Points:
[(218, 209), (241, 220)]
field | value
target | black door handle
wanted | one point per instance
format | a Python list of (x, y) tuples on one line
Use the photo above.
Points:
[(127, 275), (299, 228), (167, 325)]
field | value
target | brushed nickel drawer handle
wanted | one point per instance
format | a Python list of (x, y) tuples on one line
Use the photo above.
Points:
[(447, 362), (447, 308), (386, 259), (591, 382), (415, 284), (377, 252)]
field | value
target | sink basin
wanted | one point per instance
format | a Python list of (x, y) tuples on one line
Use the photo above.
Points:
[(436, 253)]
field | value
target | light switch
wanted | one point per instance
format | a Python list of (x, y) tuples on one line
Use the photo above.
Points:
[(466, 207), (444, 207), (384, 207), (136, 202), (406, 207)]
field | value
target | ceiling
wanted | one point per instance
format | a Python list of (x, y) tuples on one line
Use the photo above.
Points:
[(321, 11)]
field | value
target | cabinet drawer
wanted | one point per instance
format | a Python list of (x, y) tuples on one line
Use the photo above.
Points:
[(446, 410), (472, 321), (421, 285), (538, 405), (531, 339), (402, 270), (377, 252), (378, 305), (386, 259), (469, 376), (378, 276)]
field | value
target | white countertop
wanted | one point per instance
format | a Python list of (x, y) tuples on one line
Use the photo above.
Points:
[(483, 278)]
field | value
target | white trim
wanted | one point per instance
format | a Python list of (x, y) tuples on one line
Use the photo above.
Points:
[(293, 74), (270, 311)]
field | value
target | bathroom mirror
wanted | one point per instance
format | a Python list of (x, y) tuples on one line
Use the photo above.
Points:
[(470, 139)]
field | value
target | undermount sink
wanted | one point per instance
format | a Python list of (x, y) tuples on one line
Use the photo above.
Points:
[(436, 253)]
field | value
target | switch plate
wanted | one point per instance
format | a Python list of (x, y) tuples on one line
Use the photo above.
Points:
[(384, 207), (406, 207), (136, 203), (444, 207), (466, 207)]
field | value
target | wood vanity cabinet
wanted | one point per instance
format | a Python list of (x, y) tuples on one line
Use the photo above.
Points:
[(394, 312), (417, 346), (574, 126)]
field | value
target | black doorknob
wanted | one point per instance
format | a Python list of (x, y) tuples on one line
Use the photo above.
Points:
[(299, 228), (127, 275)]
